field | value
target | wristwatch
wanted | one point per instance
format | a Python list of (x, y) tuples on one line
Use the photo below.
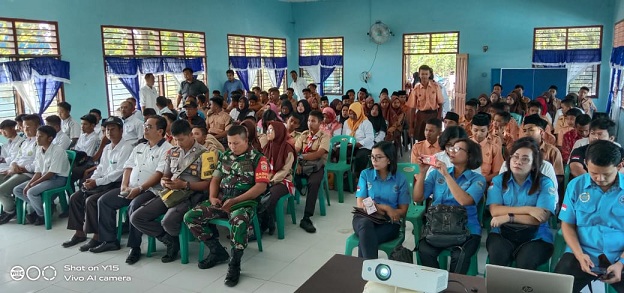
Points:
[(620, 260), (511, 217), (188, 185)]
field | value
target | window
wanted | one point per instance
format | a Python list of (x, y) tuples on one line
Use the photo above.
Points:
[(573, 38), (324, 47), (149, 42), (251, 46), (438, 50), (618, 41), (22, 39)]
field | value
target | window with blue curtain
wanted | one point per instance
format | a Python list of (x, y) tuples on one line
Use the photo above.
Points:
[(321, 62), (258, 61), (162, 52)]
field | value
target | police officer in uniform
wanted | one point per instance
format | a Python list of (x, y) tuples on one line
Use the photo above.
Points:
[(242, 174), (592, 220), (176, 177)]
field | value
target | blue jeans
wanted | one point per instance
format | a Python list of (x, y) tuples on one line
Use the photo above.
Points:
[(33, 196)]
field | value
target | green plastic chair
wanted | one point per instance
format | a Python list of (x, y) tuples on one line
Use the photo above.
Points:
[(279, 214), (185, 236), (122, 215), (341, 167), (559, 249), (415, 211), (322, 196), (226, 223), (409, 170), (48, 197), (387, 247), (566, 175)]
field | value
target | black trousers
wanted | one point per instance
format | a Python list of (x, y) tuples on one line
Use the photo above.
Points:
[(528, 255), (569, 265), (371, 235), (277, 191), (361, 157), (83, 210), (314, 185), (108, 205), (429, 254)]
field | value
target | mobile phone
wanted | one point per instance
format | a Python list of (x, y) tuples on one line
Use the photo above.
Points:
[(429, 160), (124, 194)]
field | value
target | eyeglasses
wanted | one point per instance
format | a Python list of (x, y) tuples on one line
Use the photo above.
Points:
[(523, 160), (147, 126), (455, 149), (377, 158)]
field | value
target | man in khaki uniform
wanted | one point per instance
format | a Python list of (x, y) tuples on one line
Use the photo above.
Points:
[(218, 122)]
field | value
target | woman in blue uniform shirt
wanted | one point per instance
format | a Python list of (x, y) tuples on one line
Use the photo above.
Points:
[(458, 185), (388, 189), (523, 197)]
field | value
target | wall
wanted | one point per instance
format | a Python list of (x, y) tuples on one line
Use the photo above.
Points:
[(505, 26), (79, 24)]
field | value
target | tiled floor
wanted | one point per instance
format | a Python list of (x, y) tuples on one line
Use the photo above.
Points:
[(282, 267)]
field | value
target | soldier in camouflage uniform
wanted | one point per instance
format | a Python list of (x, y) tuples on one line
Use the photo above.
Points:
[(242, 174), (176, 176)]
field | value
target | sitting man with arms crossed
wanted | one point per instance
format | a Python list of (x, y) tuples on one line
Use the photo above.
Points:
[(592, 220), (139, 183), (242, 174)]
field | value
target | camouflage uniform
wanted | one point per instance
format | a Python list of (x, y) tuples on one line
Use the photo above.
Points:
[(238, 174)]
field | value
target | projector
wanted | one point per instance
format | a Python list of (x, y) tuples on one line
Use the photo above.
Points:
[(405, 275)]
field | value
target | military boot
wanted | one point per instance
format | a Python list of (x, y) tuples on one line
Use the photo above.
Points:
[(217, 254), (173, 247), (231, 279)]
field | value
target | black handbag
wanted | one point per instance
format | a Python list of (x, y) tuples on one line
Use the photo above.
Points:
[(518, 233), (446, 226)]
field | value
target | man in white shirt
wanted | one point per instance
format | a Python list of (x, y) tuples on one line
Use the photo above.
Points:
[(162, 105), (86, 147), (148, 93), (21, 168), (60, 140), (136, 113), (98, 126), (11, 147), (70, 127), (51, 171), (140, 183), (132, 126), (83, 214), (298, 84)]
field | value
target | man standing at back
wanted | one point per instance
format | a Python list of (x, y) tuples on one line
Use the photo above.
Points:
[(190, 87), (230, 85), (297, 84), (148, 93), (426, 97)]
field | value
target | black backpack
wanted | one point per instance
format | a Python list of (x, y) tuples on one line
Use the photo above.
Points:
[(446, 226)]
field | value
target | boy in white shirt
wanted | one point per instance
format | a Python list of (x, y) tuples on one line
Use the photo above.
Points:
[(61, 140), (14, 141), (51, 171)]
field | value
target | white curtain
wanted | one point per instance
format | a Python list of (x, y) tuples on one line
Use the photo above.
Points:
[(314, 71), (272, 78), (252, 74), (28, 92), (575, 69)]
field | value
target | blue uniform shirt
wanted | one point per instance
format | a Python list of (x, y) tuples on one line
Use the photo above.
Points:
[(518, 196), (598, 216), (471, 182), (230, 86), (392, 191)]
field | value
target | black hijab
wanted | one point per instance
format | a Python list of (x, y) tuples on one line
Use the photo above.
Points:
[(303, 125), (245, 111), (379, 123), (288, 105)]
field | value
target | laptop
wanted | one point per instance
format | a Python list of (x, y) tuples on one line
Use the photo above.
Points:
[(501, 279)]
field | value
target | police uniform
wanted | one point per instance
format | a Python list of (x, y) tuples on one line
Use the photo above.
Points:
[(200, 169), (599, 220), (530, 254), (237, 175)]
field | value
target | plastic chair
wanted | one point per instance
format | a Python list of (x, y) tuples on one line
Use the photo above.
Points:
[(387, 247), (322, 196), (341, 167), (226, 223), (185, 236), (409, 170), (121, 216), (279, 214), (48, 197), (559, 249)]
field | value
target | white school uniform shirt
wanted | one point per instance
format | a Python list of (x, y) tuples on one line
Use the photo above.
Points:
[(26, 155), (112, 161), (164, 110), (70, 127), (364, 134), (11, 148), (138, 115), (147, 96), (61, 140), (88, 143), (53, 160), (133, 129), (145, 161), (298, 86)]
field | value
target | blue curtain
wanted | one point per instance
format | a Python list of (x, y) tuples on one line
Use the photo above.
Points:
[(567, 56), (280, 64), (241, 64), (617, 63), (126, 70), (309, 60), (46, 90), (328, 65)]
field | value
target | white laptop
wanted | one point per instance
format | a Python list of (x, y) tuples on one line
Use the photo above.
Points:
[(512, 280)]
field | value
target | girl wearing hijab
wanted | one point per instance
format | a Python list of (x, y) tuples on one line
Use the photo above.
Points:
[(286, 111), (252, 134), (395, 117), (368, 105), (380, 126), (344, 114), (263, 125), (243, 110), (337, 106), (330, 125), (281, 157), (484, 103), (303, 108), (359, 127), (315, 104), (515, 106), (385, 106)]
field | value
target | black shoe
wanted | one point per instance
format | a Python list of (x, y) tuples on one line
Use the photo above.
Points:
[(31, 218), (217, 255), (6, 217), (307, 225), (106, 246), (39, 221), (134, 255), (73, 241), (173, 247), (233, 274), (92, 243)]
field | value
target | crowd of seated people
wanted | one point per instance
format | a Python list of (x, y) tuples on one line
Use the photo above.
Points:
[(226, 154)]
